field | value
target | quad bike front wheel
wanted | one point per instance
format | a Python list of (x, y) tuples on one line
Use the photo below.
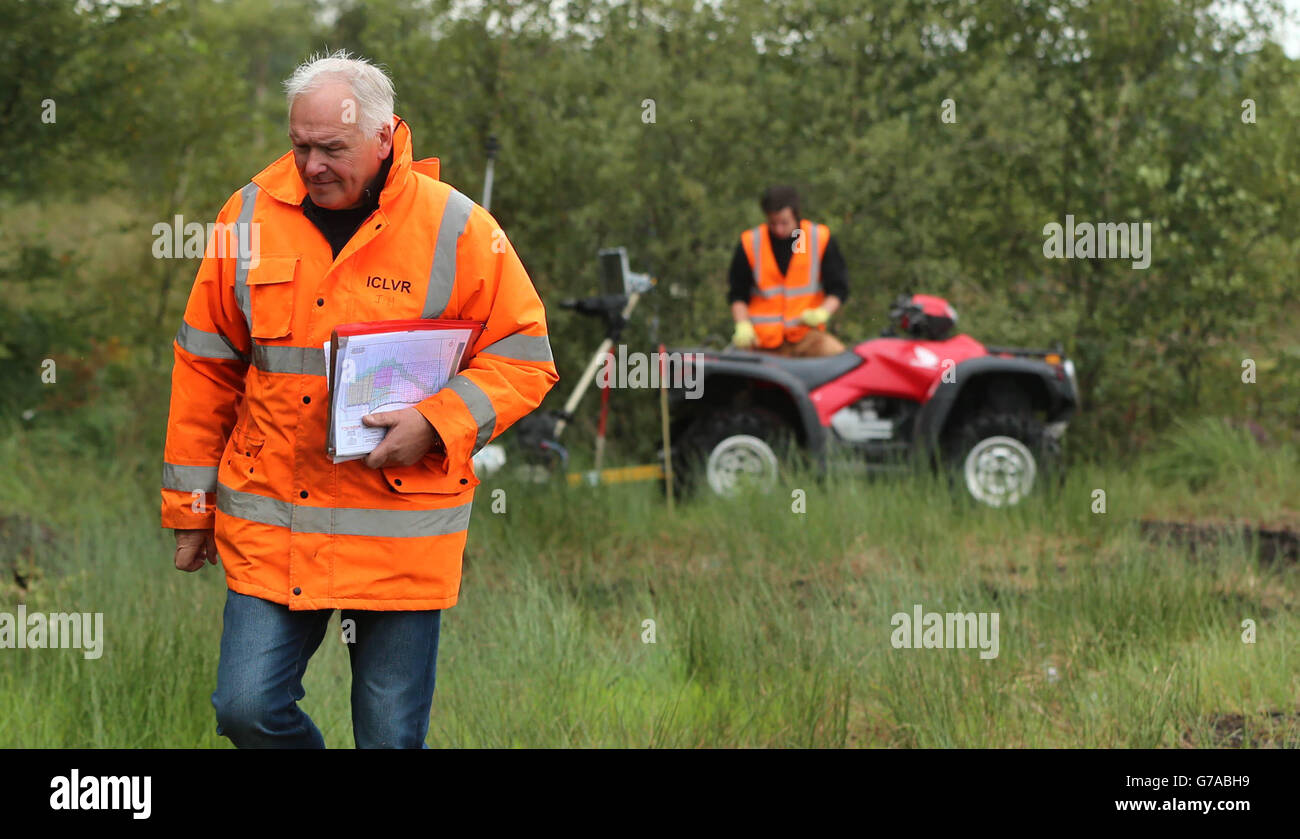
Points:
[(731, 449), (999, 459)]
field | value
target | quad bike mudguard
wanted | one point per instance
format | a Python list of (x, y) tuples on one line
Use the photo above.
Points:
[(747, 367), (1053, 395)]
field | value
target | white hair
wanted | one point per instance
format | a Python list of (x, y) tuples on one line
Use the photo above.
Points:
[(370, 85)]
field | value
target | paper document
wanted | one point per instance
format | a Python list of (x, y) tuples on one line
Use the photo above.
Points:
[(385, 371)]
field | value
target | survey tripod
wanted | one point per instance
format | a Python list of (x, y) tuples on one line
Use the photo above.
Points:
[(538, 434)]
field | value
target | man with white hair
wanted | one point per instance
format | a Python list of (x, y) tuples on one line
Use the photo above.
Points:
[(349, 227)]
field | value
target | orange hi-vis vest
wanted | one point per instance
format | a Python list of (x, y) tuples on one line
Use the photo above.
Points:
[(245, 450), (777, 301)]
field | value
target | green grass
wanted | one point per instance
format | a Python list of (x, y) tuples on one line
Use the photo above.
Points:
[(771, 628)]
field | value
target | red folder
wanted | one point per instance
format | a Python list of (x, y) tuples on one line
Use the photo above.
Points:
[(407, 325)]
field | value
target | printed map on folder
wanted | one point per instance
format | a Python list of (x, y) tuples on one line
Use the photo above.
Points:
[(387, 366)]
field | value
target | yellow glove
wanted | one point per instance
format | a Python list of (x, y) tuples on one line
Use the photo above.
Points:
[(744, 335), (815, 317)]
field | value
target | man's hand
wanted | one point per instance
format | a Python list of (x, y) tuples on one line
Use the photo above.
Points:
[(744, 335), (193, 547), (815, 317), (409, 438)]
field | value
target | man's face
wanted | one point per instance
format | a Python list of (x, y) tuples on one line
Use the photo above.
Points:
[(782, 223), (334, 160)]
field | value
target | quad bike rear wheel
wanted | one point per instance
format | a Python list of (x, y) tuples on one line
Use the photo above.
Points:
[(730, 449), (1001, 458)]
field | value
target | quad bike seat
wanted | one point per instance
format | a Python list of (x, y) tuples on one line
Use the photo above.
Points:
[(815, 372)]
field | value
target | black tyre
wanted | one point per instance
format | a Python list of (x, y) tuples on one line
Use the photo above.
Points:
[(537, 455), (999, 459), (722, 451)]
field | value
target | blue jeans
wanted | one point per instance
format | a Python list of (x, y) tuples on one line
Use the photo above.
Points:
[(264, 652)]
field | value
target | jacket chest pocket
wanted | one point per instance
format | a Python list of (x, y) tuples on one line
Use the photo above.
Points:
[(271, 290)]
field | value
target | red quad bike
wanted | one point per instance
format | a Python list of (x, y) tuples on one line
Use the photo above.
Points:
[(993, 416)]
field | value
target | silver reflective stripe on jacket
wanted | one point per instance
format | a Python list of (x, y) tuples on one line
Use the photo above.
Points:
[(815, 272), (197, 342), (189, 478), (242, 258), (342, 521), (521, 348), (758, 270), (442, 274), (480, 408), (305, 361)]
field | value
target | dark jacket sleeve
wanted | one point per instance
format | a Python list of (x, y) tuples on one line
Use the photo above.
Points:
[(740, 277), (835, 274)]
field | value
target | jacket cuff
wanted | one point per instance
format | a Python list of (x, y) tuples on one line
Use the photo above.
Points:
[(450, 418), (178, 513)]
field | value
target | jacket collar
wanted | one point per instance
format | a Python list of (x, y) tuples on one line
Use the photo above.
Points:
[(280, 180)]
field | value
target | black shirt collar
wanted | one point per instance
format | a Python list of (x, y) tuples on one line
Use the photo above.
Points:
[(337, 226)]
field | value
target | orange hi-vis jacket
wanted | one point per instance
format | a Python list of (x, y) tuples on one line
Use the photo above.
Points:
[(245, 451), (777, 300)]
